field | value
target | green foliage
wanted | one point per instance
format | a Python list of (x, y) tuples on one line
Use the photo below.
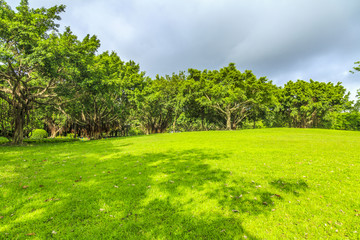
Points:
[(37, 64), (345, 121), (357, 67), (234, 95), (308, 104), (70, 135), (357, 103), (247, 124), (3, 140), (157, 104), (38, 134), (50, 140), (135, 132), (6, 118), (104, 97), (27, 77)]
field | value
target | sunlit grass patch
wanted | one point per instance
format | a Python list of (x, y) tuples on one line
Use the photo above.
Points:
[(270, 183)]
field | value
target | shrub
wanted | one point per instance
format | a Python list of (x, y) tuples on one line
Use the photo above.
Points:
[(51, 140), (70, 135), (250, 124), (3, 140), (38, 134)]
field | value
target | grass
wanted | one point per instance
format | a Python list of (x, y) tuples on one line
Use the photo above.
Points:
[(5, 141), (254, 184)]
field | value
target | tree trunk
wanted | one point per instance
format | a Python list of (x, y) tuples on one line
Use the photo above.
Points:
[(228, 120), (19, 126), (75, 131), (96, 131), (174, 125), (52, 128), (53, 132)]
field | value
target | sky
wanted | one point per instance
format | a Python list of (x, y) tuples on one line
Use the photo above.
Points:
[(280, 39)]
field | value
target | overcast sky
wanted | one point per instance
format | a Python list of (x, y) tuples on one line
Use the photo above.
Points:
[(281, 39)]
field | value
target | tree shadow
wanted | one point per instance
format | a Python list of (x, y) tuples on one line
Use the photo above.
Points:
[(172, 194), (290, 185)]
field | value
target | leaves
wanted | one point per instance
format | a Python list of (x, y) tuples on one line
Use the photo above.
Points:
[(308, 104), (234, 95), (27, 69)]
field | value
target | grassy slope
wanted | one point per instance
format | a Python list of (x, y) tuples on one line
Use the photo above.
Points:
[(272, 183)]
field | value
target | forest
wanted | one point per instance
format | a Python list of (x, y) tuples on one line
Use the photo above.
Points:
[(55, 81)]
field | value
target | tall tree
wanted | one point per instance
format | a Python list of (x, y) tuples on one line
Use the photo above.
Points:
[(156, 105), (307, 104), (37, 63), (357, 103), (24, 80), (102, 96), (6, 120), (232, 93)]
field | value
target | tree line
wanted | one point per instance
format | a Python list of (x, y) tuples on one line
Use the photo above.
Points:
[(56, 81)]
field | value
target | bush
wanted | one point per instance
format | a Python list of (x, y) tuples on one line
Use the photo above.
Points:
[(38, 134), (70, 135), (344, 121), (3, 140), (250, 124), (51, 140)]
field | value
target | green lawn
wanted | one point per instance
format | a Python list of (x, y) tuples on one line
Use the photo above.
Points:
[(254, 184)]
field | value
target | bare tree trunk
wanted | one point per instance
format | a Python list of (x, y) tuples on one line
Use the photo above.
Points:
[(174, 125), (228, 120), (53, 131), (19, 126), (52, 128)]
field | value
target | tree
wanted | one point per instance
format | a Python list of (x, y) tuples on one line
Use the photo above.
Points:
[(24, 80), (357, 103), (156, 105), (197, 116), (6, 120), (308, 104), (36, 64), (103, 94), (233, 94)]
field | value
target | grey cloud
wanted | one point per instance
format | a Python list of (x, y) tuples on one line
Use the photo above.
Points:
[(280, 39)]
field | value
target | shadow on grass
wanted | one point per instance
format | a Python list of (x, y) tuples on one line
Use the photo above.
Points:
[(290, 185), (173, 194)]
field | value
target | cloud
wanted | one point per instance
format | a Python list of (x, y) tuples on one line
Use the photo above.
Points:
[(280, 39)]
